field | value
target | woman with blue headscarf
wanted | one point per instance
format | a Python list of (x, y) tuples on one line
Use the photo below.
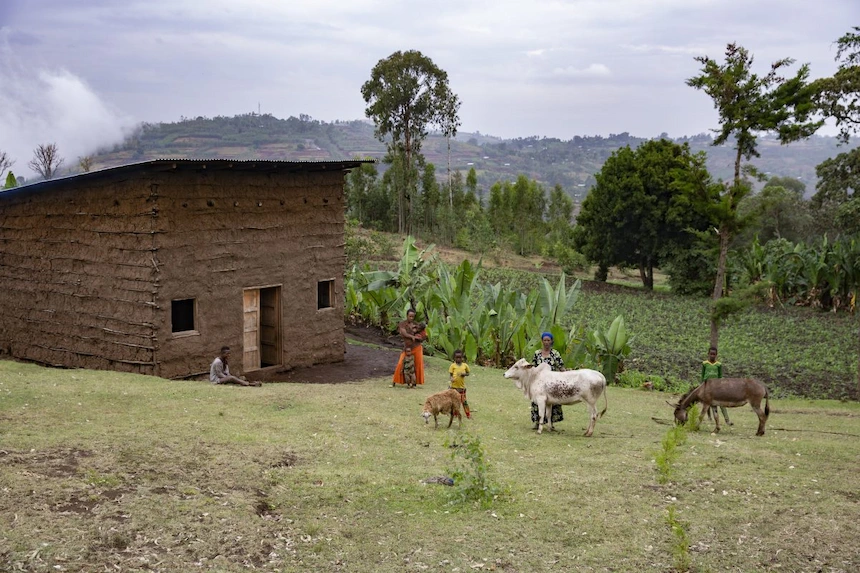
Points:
[(546, 354)]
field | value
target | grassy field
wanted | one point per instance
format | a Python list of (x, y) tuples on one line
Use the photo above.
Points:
[(110, 472)]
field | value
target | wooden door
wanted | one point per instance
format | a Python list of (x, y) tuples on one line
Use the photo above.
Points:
[(270, 326), (251, 343)]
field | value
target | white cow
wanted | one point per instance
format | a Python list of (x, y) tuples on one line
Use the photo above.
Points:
[(544, 387)]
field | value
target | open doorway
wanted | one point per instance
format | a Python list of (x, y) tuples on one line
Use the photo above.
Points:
[(262, 325)]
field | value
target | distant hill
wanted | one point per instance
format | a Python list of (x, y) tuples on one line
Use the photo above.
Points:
[(571, 163)]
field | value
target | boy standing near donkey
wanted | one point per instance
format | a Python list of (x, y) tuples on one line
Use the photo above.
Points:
[(458, 372), (713, 369)]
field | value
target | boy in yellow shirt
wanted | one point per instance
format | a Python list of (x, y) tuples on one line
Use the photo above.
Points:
[(458, 372)]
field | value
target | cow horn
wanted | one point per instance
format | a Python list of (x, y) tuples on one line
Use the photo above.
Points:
[(671, 404)]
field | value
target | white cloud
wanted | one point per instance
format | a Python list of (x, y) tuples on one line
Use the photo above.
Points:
[(592, 71), (683, 50), (52, 106)]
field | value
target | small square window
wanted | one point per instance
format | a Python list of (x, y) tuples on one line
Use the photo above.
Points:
[(182, 315), (325, 294)]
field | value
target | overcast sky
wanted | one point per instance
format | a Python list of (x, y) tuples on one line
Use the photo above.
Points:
[(79, 72)]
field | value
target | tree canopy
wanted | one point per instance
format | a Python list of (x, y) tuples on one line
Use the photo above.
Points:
[(837, 96), (643, 207), (778, 211)]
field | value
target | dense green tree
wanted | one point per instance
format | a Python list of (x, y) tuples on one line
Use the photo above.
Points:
[(749, 105), (527, 203), (643, 206), (430, 199), (777, 211), (837, 96), (407, 94), (560, 212), (471, 198), (368, 199), (789, 183), (838, 179), (457, 190), (360, 183), (516, 212), (847, 217)]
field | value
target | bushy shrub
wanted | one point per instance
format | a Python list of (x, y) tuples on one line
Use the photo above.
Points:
[(384, 244), (358, 247), (569, 259)]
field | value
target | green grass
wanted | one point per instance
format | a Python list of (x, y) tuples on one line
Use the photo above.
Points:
[(106, 471)]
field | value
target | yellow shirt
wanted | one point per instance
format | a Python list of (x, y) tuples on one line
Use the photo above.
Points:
[(457, 371)]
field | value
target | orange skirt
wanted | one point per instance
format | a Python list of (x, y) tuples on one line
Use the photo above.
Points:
[(418, 353)]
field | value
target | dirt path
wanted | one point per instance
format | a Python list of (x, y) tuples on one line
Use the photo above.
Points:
[(360, 362)]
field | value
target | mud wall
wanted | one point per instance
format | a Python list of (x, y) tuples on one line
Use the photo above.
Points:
[(222, 232), (77, 274)]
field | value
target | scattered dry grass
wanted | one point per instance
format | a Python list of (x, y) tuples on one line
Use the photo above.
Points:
[(105, 471)]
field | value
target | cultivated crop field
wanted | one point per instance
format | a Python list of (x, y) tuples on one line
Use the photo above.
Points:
[(102, 471), (795, 351)]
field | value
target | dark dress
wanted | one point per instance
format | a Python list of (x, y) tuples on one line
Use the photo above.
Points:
[(557, 364)]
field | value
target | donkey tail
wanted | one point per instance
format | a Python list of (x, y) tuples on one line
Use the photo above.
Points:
[(766, 403)]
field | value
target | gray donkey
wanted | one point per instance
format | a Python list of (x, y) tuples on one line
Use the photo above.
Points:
[(729, 392)]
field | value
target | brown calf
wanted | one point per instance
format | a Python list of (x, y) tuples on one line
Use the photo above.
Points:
[(728, 392), (446, 402)]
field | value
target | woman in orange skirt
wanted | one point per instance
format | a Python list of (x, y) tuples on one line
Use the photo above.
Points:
[(413, 335)]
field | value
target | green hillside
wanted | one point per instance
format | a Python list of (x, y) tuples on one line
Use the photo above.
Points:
[(570, 163)]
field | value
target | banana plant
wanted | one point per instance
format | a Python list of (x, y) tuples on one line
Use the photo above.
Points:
[(409, 282), (554, 303), (611, 347), (572, 344), (505, 327), (752, 262)]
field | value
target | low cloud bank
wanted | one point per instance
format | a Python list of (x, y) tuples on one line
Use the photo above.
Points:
[(53, 106)]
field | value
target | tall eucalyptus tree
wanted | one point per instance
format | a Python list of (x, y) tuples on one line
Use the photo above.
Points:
[(406, 95)]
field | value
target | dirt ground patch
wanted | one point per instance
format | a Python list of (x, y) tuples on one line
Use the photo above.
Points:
[(360, 362)]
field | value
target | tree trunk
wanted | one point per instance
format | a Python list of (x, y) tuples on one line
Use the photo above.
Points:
[(719, 282), (646, 273), (450, 190), (407, 188)]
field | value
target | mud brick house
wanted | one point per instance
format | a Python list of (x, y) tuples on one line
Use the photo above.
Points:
[(152, 267)]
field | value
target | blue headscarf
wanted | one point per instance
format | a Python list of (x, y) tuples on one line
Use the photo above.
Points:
[(545, 334)]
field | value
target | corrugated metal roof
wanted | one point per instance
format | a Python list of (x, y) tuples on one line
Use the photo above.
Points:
[(161, 165)]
